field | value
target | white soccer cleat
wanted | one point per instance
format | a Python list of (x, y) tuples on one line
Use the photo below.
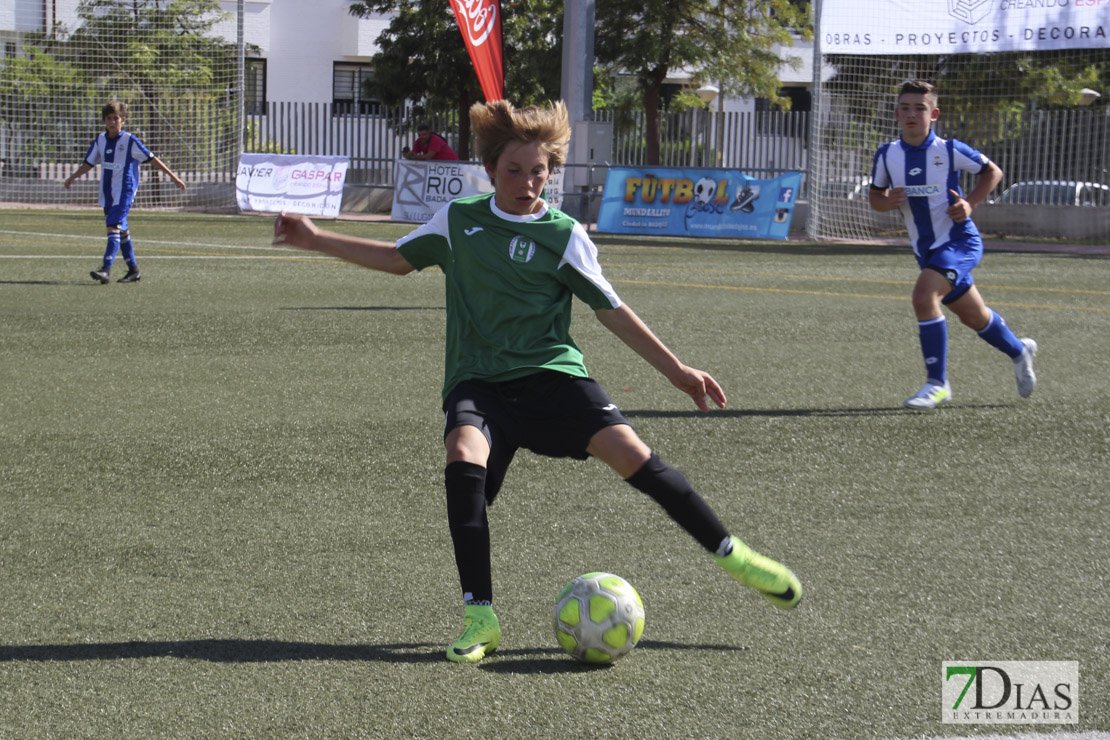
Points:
[(1023, 368), (930, 396)]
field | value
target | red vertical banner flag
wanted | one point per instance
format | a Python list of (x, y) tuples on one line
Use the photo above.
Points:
[(480, 23)]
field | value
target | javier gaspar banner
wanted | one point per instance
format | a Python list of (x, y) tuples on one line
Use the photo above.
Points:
[(962, 26), (697, 202), (423, 187), (270, 183)]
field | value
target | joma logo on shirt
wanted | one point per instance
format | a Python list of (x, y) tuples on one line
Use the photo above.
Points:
[(521, 249)]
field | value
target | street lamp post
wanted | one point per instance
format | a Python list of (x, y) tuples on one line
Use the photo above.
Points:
[(708, 93)]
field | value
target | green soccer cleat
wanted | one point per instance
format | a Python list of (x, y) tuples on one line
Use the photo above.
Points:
[(774, 581), (480, 638)]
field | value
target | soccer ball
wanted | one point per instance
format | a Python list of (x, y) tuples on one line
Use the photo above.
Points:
[(598, 617), (704, 190)]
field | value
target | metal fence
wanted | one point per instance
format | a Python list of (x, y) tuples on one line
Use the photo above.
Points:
[(753, 142), (1033, 145)]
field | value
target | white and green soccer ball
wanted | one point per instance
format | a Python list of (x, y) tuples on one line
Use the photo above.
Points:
[(598, 617)]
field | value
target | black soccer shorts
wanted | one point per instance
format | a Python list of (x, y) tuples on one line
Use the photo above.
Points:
[(549, 413)]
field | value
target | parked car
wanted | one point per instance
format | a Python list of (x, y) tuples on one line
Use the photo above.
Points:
[(852, 188), (1056, 193)]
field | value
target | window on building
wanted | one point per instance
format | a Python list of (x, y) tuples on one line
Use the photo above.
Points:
[(255, 83), (800, 100), (349, 89)]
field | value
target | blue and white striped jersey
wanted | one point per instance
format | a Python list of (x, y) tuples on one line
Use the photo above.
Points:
[(119, 159), (928, 172)]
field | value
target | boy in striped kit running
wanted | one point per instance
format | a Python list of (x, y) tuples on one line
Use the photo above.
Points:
[(919, 175)]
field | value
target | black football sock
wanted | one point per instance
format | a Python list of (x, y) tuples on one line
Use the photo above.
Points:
[(673, 492), (466, 517)]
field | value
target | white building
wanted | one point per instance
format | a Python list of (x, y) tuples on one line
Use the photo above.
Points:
[(315, 51), (307, 50)]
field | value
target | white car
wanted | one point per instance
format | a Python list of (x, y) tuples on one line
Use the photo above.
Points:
[(852, 188), (1056, 193)]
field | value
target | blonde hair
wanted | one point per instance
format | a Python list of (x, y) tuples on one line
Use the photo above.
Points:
[(496, 124)]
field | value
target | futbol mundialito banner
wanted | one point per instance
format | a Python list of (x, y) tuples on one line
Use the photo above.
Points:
[(299, 183), (955, 26), (697, 202)]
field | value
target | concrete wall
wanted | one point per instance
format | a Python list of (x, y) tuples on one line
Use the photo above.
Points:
[(1057, 222), (1032, 222)]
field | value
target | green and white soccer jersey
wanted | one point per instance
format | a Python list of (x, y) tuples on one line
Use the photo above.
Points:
[(509, 285)]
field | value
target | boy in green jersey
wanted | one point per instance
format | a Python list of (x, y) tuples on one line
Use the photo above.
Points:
[(513, 376)]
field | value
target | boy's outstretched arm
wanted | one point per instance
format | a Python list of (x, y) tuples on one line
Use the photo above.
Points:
[(169, 173), (628, 327), (297, 230)]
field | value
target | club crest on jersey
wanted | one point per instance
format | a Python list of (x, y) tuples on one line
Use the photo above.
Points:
[(521, 249), (938, 162)]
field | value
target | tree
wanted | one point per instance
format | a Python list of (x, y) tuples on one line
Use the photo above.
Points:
[(423, 59), (157, 56), (730, 42), (999, 82), (39, 97)]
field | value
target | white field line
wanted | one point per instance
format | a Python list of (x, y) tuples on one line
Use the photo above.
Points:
[(86, 237), (146, 257), (1048, 734)]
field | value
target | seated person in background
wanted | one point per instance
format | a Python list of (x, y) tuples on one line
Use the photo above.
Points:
[(428, 146)]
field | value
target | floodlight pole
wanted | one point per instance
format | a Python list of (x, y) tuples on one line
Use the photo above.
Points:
[(815, 150), (241, 76), (577, 89), (707, 93)]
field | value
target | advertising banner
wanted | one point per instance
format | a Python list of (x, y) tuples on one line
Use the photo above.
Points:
[(955, 26), (299, 183), (423, 187), (697, 202), (480, 24)]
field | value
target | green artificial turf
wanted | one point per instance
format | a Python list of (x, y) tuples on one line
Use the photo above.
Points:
[(221, 506)]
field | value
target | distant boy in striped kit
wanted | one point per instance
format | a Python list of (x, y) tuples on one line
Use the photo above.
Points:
[(919, 175), (119, 153)]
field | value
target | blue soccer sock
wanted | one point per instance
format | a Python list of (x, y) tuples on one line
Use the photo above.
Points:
[(997, 334), (934, 348), (128, 251), (113, 247)]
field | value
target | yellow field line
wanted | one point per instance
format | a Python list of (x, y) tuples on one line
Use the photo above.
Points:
[(830, 278), (843, 295)]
